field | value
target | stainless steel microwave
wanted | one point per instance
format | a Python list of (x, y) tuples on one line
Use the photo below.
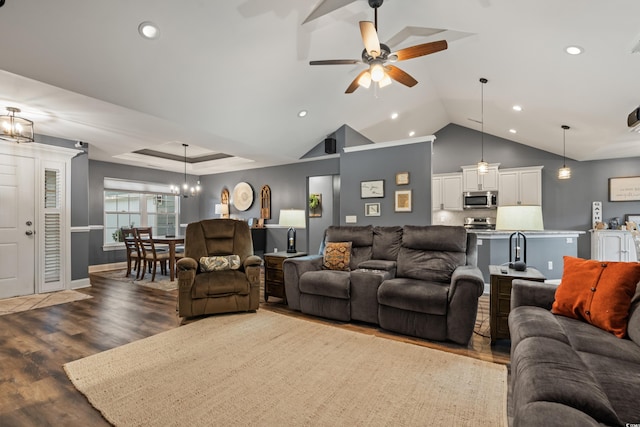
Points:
[(480, 200)]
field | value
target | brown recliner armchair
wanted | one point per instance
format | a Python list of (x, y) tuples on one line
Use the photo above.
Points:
[(224, 291)]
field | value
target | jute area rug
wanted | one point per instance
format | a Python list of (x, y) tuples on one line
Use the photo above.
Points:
[(162, 282), (267, 369), (31, 302)]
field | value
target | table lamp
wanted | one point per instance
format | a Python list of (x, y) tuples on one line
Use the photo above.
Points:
[(519, 218), (222, 209), (292, 218)]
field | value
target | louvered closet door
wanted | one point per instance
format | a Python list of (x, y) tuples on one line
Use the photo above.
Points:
[(17, 226)]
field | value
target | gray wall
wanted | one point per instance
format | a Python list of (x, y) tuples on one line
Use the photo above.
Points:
[(288, 185), (189, 207), (384, 163), (566, 204)]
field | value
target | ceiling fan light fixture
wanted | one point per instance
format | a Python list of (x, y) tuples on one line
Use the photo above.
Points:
[(386, 81), (377, 71), (365, 80)]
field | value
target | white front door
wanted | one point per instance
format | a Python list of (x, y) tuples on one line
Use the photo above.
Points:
[(17, 226)]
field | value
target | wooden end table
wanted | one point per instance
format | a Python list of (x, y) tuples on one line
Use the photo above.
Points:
[(500, 296), (273, 274)]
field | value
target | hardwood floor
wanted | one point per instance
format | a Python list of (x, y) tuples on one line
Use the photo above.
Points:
[(34, 389)]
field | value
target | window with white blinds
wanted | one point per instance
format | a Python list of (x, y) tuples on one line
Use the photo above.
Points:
[(52, 226)]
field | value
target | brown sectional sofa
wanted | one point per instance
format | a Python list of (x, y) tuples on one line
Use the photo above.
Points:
[(416, 280)]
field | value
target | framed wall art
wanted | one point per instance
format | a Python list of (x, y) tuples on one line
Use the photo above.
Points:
[(372, 209), (624, 189), (402, 178), (372, 189), (403, 201)]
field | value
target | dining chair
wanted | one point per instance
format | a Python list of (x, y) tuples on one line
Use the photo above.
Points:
[(133, 251), (150, 255)]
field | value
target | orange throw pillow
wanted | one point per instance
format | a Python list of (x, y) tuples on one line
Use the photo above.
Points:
[(598, 292), (337, 256)]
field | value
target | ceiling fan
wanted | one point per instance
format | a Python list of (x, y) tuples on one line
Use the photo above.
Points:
[(379, 57)]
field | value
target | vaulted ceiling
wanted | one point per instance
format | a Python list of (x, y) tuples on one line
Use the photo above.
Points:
[(231, 76)]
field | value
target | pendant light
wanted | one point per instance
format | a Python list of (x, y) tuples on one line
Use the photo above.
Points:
[(564, 172), (483, 167), (187, 190), (14, 128)]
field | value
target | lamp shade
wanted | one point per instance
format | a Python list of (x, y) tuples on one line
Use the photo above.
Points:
[(292, 218), (519, 218)]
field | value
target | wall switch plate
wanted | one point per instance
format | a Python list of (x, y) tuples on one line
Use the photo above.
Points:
[(479, 242), (550, 266), (569, 239), (351, 219)]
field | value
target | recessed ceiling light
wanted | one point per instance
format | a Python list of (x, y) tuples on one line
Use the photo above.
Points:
[(394, 116), (573, 50), (517, 108), (412, 133), (149, 30), (302, 113), (513, 131)]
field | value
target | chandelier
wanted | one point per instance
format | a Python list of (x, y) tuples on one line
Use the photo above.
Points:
[(15, 129), (186, 190)]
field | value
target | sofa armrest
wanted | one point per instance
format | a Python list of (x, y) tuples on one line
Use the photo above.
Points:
[(527, 292), (187, 269), (293, 269), (467, 285), (468, 276), (252, 260)]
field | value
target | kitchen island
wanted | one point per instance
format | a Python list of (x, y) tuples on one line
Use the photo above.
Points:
[(545, 250)]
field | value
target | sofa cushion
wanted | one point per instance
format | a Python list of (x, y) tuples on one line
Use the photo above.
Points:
[(334, 284), (620, 380), (584, 337), (551, 414), (528, 321), (548, 370), (598, 292), (428, 265), (386, 243), (435, 238), (361, 238), (414, 295), (220, 283), (633, 327), (219, 263), (337, 256)]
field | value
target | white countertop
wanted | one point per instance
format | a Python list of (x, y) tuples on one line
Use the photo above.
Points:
[(495, 234)]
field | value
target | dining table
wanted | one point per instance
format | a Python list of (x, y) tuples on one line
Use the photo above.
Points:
[(170, 241)]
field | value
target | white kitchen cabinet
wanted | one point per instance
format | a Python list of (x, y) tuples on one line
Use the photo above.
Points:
[(446, 192), (472, 181), (613, 245), (520, 186)]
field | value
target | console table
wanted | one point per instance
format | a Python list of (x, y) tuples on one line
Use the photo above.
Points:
[(273, 275), (500, 296)]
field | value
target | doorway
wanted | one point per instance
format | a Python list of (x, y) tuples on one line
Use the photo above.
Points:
[(17, 226), (328, 187)]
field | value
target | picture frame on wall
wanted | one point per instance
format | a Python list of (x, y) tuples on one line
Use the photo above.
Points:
[(632, 218), (372, 189), (402, 178), (403, 201), (372, 209), (624, 189)]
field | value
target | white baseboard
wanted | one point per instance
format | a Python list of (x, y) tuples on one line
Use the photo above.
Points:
[(106, 267), (80, 283)]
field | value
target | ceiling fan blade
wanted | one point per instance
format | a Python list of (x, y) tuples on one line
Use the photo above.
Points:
[(370, 38), (400, 76), (335, 62), (421, 50), (354, 84)]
